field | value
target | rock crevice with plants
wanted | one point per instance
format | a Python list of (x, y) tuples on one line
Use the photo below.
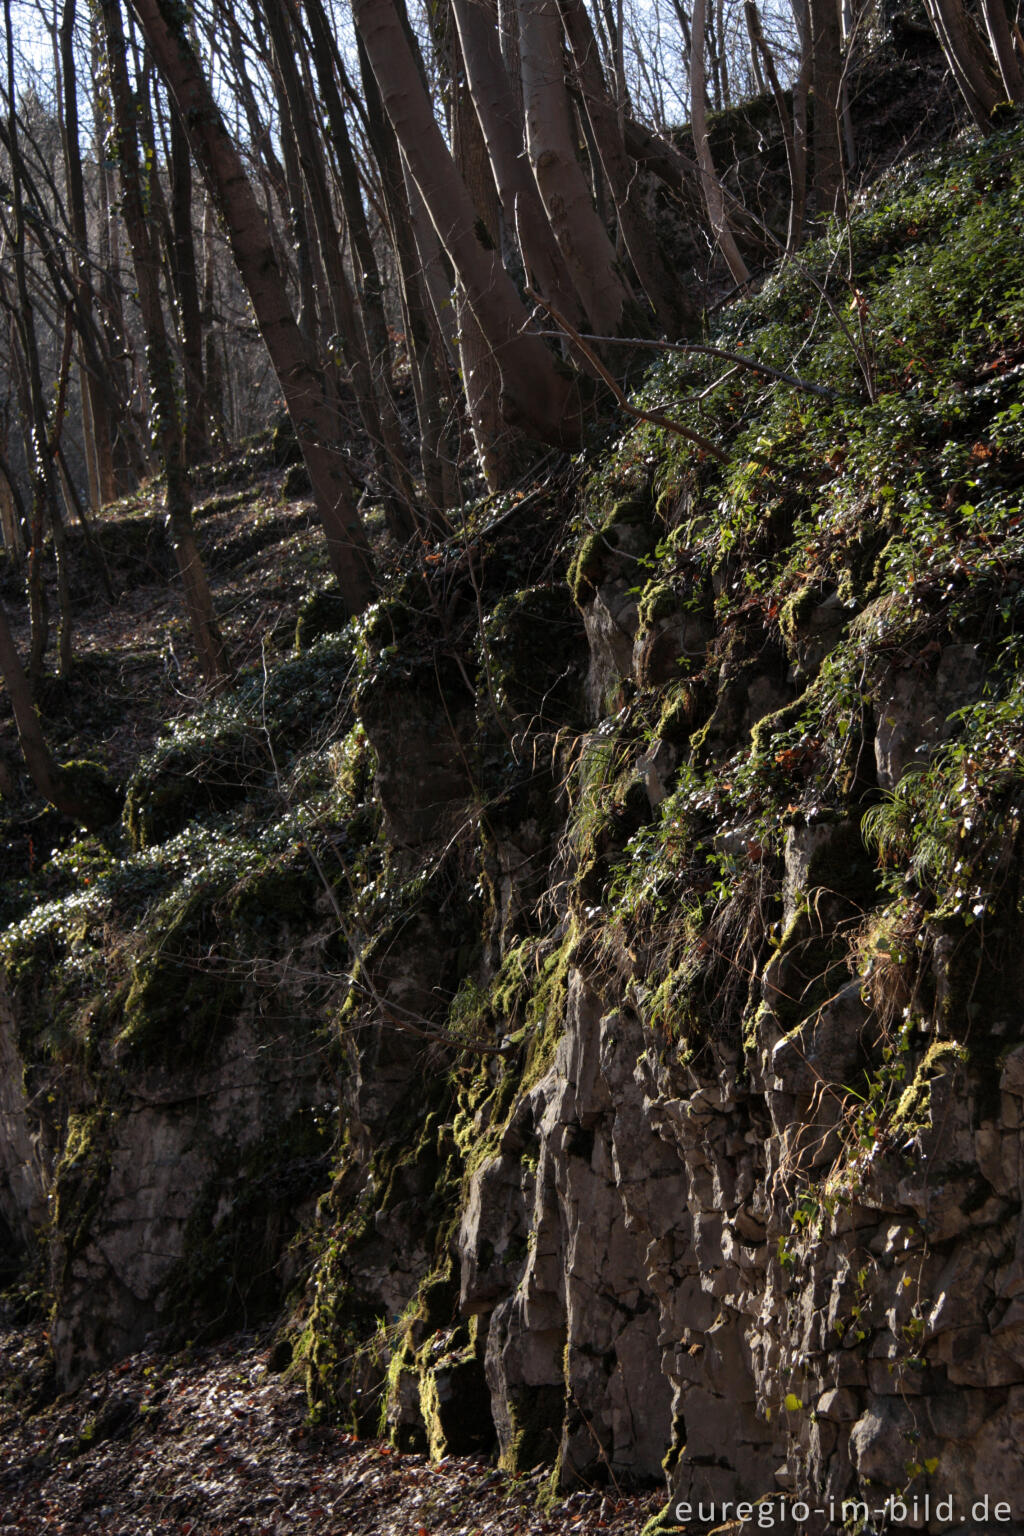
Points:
[(582, 999)]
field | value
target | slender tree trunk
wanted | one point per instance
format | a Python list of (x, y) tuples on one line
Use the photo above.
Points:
[(206, 636), (425, 342), (95, 425), (128, 450), (316, 422), (965, 54), (35, 525), (1001, 38), (586, 249), (186, 284), (213, 373), (370, 311), (826, 75), (39, 761), (801, 94), (13, 519), (674, 311), (714, 198), (73, 502), (795, 164), (498, 451), (535, 395), (501, 122), (25, 363), (383, 431)]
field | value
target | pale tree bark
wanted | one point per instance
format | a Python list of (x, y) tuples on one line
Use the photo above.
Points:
[(796, 159), (588, 253), (498, 110), (316, 422), (535, 395), (711, 187), (673, 310)]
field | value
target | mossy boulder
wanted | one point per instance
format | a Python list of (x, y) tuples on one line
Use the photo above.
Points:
[(627, 531), (320, 613), (296, 484), (536, 652), (186, 780), (98, 798)]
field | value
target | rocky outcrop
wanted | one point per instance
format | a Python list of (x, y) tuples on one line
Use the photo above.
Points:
[(666, 988)]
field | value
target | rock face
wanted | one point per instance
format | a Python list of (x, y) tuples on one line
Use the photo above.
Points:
[(727, 1193), (165, 1191), (776, 1252)]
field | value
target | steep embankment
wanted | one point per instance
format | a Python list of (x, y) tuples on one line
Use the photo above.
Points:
[(626, 967)]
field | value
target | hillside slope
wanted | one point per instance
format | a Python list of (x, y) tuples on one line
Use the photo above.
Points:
[(583, 1000)]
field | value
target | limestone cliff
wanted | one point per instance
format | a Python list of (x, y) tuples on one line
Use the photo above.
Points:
[(653, 935)]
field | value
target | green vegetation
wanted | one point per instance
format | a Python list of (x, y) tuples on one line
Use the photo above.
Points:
[(744, 836), (849, 542)]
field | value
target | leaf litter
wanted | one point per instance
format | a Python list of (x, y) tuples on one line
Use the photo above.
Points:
[(212, 1442)]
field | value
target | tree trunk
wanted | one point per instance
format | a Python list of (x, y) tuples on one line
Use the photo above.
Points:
[(370, 311), (425, 343), (1001, 38), (186, 284), (826, 73), (714, 198), (128, 444), (801, 94), (673, 310), (535, 395), (212, 370), (95, 424), (586, 249), (12, 509), (206, 636), (498, 451), (383, 432), (965, 54), (315, 421), (796, 163), (44, 772), (501, 123), (26, 368)]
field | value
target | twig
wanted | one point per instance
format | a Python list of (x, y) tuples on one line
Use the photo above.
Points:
[(705, 351), (399, 1018), (655, 418)]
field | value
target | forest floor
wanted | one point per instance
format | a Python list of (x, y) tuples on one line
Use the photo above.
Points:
[(134, 668), (211, 1442)]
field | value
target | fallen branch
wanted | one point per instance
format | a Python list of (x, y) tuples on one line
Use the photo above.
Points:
[(655, 418), (705, 351)]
